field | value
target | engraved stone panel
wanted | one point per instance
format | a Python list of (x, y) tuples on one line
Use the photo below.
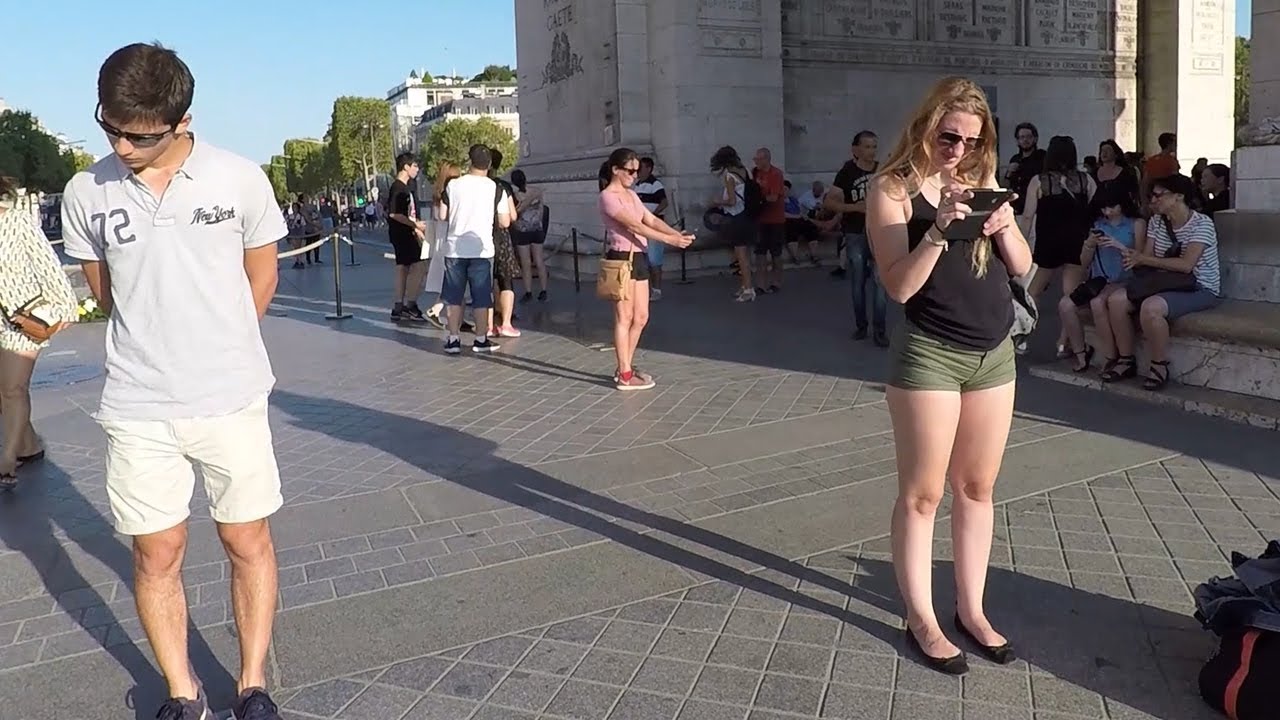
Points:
[(1075, 24), (1126, 27), (562, 63), (1208, 37), (876, 19), (730, 27), (990, 22)]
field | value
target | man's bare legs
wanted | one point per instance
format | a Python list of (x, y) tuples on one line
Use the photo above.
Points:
[(254, 585), (162, 602)]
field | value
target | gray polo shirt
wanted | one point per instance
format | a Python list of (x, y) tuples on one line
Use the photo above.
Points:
[(183, 339)]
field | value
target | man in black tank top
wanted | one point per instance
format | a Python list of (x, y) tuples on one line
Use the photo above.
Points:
[(854, 179)]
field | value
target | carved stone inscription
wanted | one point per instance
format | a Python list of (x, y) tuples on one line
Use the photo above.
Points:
[(563, 62), (1075, 24), (1208, 37), (990, 22), (1126, 27), (877, 19), (731, 10)]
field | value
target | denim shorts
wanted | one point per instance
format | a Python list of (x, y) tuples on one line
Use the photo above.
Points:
[(1185, 303), (463, 273), (656, 252)]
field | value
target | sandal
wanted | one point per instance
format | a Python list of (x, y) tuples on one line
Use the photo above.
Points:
[(1157, 375), (8, 482), (1086, 356), (1122, 368), (33, 457)]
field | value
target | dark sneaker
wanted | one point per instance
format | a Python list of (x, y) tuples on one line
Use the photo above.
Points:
[(542, 296), (838, 273), (860, 334), (453, 346), (774, 289), (527, 297), (184, 709), (880, 338), (397, 313), (255, 704), (487, 346), (413, 312)]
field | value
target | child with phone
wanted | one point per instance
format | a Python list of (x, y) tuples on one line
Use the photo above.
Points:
[(1117, 232)]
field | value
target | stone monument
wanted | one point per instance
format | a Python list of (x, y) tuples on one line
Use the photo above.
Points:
[(678, 78)]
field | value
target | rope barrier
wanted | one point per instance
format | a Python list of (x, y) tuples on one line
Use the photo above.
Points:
[(308, 248)]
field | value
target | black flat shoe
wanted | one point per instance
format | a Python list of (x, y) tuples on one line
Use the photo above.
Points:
[(999, 654), (33, 457), (954, 665)]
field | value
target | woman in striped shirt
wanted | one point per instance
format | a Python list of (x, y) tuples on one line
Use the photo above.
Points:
[(1173, 220)]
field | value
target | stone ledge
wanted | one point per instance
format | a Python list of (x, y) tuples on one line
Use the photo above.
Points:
[(1234, 321), (1245, 409)]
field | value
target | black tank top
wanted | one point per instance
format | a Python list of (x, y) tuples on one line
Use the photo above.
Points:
[(954, 305)]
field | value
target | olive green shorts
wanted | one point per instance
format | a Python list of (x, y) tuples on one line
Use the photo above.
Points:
[(922, 362)]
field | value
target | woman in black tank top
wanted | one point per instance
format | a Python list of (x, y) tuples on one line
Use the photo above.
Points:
[(951, 388)]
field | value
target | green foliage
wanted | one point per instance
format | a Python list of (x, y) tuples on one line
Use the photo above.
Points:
[(31, 155), (496, 73), (1243, 79), (306, 166), (450, 140), (354, 118), (79, 160), (278, 176)]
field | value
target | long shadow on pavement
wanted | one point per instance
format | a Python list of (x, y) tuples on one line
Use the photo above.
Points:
[(1088, 640), (48, 500)]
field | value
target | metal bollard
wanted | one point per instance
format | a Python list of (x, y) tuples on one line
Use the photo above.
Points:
[(337, 313), (684, 270), (351, 235), (577, 278)]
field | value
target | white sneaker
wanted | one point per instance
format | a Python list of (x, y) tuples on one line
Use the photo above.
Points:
[(745, 296), (655, 294)]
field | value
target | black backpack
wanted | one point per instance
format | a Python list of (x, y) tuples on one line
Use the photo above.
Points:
[(1240, 679), (752, 197)]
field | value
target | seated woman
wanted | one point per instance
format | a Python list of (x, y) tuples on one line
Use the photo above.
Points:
[(1183, 241), (1118, 231)]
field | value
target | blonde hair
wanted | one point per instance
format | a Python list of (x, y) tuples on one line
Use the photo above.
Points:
[(447, 172), (905, 169)]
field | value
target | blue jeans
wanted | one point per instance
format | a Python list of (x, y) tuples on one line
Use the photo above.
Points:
[(461, 273), (862, 271)]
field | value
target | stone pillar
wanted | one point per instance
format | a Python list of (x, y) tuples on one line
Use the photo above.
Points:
[(1256, 170), (1187, 80)]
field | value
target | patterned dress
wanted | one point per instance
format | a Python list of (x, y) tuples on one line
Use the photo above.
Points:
[(29, 268)]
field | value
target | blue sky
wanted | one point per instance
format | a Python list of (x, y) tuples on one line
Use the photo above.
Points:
[(265, 70)]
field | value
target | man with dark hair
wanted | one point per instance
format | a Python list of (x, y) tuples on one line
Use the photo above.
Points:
[(772, 234), (854, 179), (1215, 186), (471, 204), (1161, 165), (177, 239), (654, 197), (407, 234), (1025, 164)]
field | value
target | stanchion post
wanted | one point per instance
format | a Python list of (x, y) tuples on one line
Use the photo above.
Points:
[(577, 277), (337, 313), (351, 235), (684, 268)]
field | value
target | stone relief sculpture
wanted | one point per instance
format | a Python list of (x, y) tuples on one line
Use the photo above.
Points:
[(1263, 132), (564, 63)]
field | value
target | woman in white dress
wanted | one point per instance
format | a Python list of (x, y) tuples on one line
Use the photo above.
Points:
[(29, 270)]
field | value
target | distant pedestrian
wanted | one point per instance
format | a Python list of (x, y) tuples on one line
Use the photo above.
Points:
[(177, 239), (407, 234), (528, 235), (653, 194)]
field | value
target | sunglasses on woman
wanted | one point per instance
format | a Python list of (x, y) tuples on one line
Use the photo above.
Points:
[(951, 139), (139, 140), (630, 171)]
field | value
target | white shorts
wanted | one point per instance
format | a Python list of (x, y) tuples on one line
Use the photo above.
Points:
[(152, 466)]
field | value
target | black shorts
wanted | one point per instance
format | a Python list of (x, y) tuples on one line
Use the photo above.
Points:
[(408, 251), (639, 262), (801, 230), (739, 230), (521, 238), (771, 239)]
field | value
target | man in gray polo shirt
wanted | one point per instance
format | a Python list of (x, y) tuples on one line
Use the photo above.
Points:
[(178, 243)]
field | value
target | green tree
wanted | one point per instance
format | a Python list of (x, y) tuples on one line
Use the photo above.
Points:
[(31, 155), (79, 160), (450, 140), (496, 73), (1243, 78), (359, 128), (277, 174), (306, 166)]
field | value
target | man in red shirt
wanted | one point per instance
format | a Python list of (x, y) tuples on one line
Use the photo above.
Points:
[(772, 221)]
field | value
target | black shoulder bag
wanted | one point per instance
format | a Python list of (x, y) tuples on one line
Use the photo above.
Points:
[(1147, 282)]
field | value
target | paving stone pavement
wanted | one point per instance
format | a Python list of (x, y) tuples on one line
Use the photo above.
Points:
[(508, 537)]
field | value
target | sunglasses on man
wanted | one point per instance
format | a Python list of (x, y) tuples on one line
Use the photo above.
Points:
[(139, 140)]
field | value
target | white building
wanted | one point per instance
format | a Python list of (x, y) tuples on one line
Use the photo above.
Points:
[(502, 110), (411, 99)]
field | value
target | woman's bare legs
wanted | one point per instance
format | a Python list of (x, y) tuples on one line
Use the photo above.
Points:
[(981, 435), (924, 430), (15, 397), (623, 310), (1121, 312), (1102, 321), (526, 267), (506, 307), (539, 262), (639, 317), (1069, 316)]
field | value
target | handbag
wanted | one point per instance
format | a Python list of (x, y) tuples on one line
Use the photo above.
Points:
[(1086, 291), (1148, 282), (36, 319), (614, 281)]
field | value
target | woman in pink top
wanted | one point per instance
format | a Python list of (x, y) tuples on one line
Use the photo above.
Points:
[(629, 228)]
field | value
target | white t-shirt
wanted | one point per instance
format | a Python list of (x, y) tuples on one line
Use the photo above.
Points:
[(183, 340), (472, 200)]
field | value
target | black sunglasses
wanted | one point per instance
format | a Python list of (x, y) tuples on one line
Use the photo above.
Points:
[(951, 139), (630, 171), (141, 140)]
